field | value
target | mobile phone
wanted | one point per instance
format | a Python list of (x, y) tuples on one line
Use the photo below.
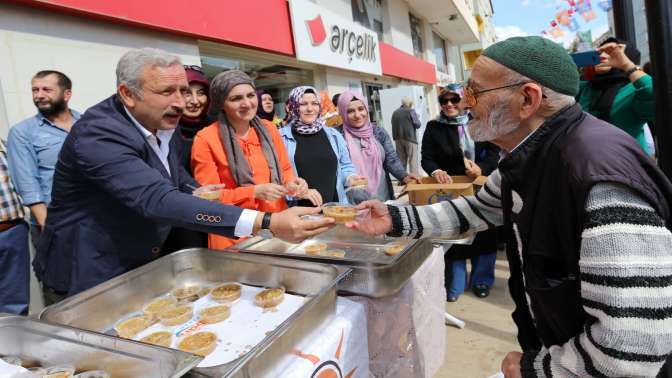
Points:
[(586, 58)]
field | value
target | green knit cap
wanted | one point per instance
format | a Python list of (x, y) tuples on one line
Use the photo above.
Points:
[(540, 59)]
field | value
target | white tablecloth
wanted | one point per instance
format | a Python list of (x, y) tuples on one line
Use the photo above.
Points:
[(339, 345), (406, 331)]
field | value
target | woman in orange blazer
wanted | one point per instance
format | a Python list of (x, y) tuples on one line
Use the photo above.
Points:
[(244, 154)]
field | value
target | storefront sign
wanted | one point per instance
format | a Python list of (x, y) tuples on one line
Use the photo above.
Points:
[(324, 37)]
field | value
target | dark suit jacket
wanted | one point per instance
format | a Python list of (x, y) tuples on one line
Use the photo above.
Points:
[(113, 203)]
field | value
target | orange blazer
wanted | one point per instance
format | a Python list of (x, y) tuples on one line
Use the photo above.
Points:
[(210, 166)]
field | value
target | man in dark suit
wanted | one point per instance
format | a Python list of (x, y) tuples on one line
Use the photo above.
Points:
[(119, 185)]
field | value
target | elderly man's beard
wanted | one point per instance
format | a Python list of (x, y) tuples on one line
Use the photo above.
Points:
[(499, 122)]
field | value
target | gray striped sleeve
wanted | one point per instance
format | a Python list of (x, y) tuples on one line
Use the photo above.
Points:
[(450, 219), (626, 288)]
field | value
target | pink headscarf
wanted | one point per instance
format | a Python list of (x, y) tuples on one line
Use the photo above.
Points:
[(366, 158)]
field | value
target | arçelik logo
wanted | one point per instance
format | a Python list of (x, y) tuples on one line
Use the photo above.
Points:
[(360, 45), (316, 30)]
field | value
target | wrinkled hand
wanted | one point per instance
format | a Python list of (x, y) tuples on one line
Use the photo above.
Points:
[(269, 192), (511, 365), (473, 170), (442, 177), (297, 187), (411, 179), (313, 196), (617, 57), (376, 220), (288, 225)]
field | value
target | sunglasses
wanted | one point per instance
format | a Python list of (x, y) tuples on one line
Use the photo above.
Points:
[(452, 100), (194, 68)]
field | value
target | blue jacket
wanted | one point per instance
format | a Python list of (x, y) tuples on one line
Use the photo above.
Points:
[(113, 203), (345, 166)]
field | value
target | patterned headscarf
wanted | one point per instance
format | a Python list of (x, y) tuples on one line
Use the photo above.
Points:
[(295, 118)]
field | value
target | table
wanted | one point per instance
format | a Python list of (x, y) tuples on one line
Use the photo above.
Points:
[(406, 331), (338, 348)]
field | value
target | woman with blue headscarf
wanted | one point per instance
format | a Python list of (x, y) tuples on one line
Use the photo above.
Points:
[(448, 150), (318, 153)]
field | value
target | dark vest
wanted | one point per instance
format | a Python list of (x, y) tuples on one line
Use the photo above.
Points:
[(553, 172), (402, 126)]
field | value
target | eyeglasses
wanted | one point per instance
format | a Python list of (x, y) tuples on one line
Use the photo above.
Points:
[(470, 96), (452, 100), (194, 68)]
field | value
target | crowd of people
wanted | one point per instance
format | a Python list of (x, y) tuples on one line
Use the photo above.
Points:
[(586, 224)]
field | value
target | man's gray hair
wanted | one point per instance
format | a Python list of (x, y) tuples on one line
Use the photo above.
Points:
[(550, 105), (407, 102), (131, 65)]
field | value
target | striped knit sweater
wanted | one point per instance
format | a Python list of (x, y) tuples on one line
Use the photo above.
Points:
[(625, 271)]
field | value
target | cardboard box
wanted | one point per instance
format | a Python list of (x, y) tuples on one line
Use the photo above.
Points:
[(430, 191)]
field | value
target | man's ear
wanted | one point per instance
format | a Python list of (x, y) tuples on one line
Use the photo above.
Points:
[(532, 97), (126, 96), (67, 93)]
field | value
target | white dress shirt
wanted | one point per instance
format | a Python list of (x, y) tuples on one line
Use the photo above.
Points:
[(160, 144)]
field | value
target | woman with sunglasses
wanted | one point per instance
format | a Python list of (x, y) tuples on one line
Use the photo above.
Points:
[(448, 150), (318, 153), (371, 148)]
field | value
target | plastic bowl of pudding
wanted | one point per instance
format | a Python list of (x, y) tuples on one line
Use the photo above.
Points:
[(65, 371), (129, 328), (189, 293), (209, 195), (226, 293), (161, 338), (341, 213), (337, 253), (268, 298), (314, 249), (177, 315), (214, 314), (93, 374), (157, 305), (201, 343), (361, 182), (394, 249)]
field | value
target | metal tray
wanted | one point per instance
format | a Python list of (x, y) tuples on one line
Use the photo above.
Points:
[(42, 344), (374, 274), (100, 307)]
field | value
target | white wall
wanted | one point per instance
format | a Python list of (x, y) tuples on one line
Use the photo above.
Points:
[(87, 51), (342, 7), (397, 26)]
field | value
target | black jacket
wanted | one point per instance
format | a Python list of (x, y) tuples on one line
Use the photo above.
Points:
[(441, 150), (552, 172)]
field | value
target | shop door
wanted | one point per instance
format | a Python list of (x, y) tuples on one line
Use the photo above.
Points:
[(371, 91)]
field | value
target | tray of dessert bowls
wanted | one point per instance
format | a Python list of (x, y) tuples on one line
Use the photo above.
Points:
[(59, 351), (240, 312)]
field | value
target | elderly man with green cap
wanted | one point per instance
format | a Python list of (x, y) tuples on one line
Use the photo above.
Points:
[(587, 216)]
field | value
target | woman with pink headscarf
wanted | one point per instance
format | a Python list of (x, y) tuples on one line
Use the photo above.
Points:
[(371, 148)]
